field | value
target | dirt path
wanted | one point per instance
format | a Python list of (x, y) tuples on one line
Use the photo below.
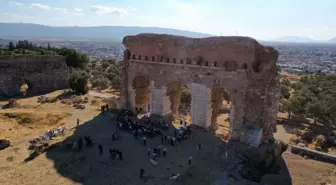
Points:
[(100, 95)]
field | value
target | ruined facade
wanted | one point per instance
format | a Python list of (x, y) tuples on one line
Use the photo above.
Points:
[(41, 73), (240, 65)]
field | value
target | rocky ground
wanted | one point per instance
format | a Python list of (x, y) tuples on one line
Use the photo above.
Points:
[(64, 167)]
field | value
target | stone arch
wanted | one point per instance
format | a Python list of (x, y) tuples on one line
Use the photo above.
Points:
[(215, 64), (181, 61), (206, 63), (153, 58), (167, 60), (139, 57), (221, 105), (133, 56), (146, 58), (141, 87), (180, 99)]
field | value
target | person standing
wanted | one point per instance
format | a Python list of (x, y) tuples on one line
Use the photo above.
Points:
[(142, 171), (100, 147), (190, 158), (148, 151), (121, 155), (164, 151), (145, 140)]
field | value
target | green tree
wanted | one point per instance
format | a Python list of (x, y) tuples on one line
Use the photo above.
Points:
[(105, 65), (285, 82), (78, 81), (185, 95), (286, 106), (284, 91), (315, 109), (100, 83), (74, 59)]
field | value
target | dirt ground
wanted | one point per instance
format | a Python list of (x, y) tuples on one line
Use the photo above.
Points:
[(65, 167)]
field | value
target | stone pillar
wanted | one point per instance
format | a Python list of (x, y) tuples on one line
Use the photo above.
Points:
[(236, 115), (125, 84), (201, 105), (159, 102)]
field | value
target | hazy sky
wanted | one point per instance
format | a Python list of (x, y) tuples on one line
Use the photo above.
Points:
[(261, 19)]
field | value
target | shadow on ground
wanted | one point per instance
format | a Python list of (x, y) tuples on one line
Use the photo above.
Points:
[(209, 165)]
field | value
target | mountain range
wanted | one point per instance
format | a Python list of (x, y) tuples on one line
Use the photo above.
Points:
[(302, 39), (113, 33)]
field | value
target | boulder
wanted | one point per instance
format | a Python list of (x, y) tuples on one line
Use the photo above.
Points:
[(4, 144), (331, 140), (12, 103), (321, 141)]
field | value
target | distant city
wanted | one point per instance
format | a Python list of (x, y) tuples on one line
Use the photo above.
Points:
[(298, 58)]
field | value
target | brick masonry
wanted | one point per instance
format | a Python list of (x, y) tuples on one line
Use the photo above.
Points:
[(240, 65), (41, 73)]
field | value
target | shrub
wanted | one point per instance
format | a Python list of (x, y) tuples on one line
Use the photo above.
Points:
[(79, 81)]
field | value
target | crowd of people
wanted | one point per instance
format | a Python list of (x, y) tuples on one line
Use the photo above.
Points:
[(145, 129)]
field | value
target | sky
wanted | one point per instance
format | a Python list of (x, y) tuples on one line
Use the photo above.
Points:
[(260, 19)]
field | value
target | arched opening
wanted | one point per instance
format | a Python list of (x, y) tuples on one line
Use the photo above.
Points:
[(146, 58), (24, 88), (161, 59), (133, 56), (180, 102), (140, 57), (244, 66), (181, 61), (167, 59), (153, 58), (233, 66), (141, 87), (206, 63), (188, 61), (221, 107), (226, 65), (215, 64)]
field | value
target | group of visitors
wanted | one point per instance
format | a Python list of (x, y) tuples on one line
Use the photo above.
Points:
[(143, 131), (78, 144), (125, 123)]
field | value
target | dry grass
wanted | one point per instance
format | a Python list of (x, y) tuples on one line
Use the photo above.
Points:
[(25, 119)]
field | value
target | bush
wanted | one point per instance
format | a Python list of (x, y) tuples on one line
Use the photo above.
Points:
[(101, 83), (185, 95), (79, 81)]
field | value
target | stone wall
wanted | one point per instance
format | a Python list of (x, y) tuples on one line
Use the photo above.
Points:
[(240, 65), (41, 73)]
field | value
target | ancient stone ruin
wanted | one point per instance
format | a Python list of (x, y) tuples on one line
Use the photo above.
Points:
[(155, 67), (40, 74)]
